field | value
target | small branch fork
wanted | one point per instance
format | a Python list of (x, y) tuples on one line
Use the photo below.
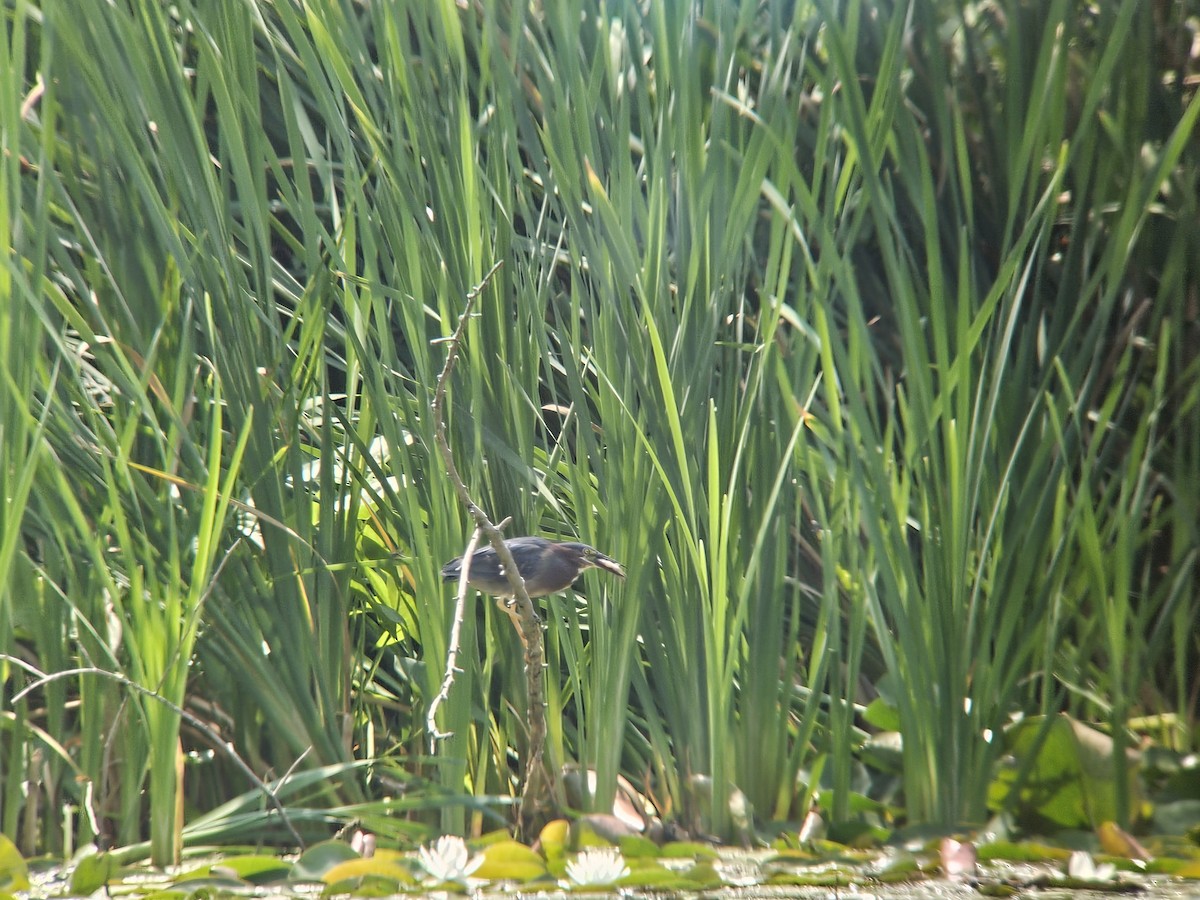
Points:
[(538, 792)]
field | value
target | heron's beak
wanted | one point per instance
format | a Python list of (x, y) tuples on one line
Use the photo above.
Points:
[(600, 561)]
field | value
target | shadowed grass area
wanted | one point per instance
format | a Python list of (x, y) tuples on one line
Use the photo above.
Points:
[(862, 333)]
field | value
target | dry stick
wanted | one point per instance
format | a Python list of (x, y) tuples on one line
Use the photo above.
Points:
[(218, 742), (460, 605), (538, 793), (455, 642)]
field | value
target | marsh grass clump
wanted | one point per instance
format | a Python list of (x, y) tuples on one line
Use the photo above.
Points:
[(863, 334)]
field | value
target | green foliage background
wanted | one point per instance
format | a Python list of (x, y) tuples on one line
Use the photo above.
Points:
[(862, 333)]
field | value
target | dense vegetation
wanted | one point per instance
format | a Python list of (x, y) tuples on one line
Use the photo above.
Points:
[(863, 334)]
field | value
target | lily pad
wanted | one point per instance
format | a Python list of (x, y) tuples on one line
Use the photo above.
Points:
[(1063, 773), (355, 872), (320, 858), (92, 873), (14, 873), (511, 861)]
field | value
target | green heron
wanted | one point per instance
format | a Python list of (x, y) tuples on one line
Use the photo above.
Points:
[(547, 566)]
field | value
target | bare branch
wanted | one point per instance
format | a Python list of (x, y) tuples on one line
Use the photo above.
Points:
[(538, 793), (218, 742), (460, 605)]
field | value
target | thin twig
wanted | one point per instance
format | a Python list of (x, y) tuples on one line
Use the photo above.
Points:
[(226, 747), (439, 398), (460, 606), (537, 796)]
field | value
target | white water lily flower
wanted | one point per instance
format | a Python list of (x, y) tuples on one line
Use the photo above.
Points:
[(448, 859), (597, 866), (1082, 866)]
